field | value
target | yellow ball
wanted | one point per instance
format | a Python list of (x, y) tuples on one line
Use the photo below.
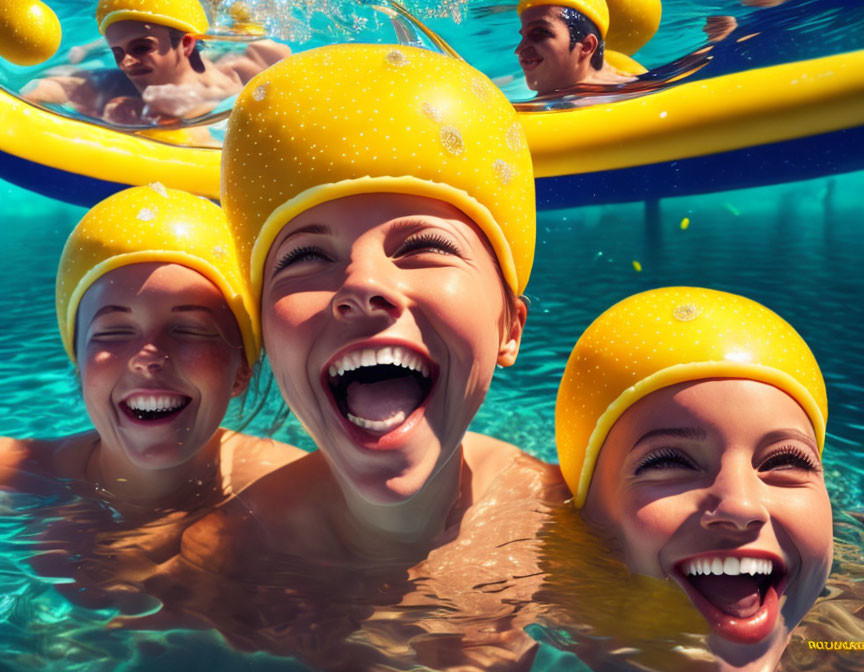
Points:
[(632, 23), (668, 336), (152, 224), (354, 119), (29, 31), (186, 15)]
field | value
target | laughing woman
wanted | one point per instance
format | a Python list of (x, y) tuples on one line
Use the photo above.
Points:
[(388, 226), (152, 312)]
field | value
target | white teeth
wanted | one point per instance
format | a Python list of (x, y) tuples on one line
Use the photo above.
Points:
[(729, 566), (394, 354), (150, 402), (379, 425)]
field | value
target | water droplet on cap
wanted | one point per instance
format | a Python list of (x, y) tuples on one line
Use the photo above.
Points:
[(451, 138)]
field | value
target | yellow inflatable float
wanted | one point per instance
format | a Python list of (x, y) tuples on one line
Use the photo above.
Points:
[(784, 122)]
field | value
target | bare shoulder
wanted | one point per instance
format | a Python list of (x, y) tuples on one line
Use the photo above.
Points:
[(277, 510), (14, 453), (504, 466), (250, 457), (65, 457), (213, 543), (267, 52), (480, 448), (257, 57)]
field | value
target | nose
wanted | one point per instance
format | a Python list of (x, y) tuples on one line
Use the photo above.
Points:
[(734, 501), (520, 46), (368, 292), (148, 359)]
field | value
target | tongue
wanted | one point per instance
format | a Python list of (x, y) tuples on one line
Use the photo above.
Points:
[(736, 595), (384, 399)]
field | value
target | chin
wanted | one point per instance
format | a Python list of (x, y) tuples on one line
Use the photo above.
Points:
[(158, 456)]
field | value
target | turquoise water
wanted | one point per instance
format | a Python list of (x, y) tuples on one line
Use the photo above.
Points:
[(795, 247)]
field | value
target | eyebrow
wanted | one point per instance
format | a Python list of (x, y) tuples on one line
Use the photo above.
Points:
[(693, 433), (104, 310), (191, 308), (320, 229), (783, 434)]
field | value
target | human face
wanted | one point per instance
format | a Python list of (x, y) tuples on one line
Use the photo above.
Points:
[(160, 356), (352, 288), (144, 53), (720, 472), (544, 51)]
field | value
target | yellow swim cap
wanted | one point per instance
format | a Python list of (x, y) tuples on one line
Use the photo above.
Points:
[(357, 119), (597, 11), (632, 23), (186, 15), (145, 225), (668, 336), (29, 31)]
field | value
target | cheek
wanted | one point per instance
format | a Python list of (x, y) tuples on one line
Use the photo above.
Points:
[(472, 318), (808, 522), (648, 527), (99, 368)]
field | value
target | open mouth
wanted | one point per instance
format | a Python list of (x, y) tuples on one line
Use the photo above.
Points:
[(738, 595), (151, 408), (377, 389), (529, 62)]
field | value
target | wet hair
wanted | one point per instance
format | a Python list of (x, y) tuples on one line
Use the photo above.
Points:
[(175, 37), (580, 27)]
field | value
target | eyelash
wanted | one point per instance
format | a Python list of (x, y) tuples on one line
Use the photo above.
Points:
[(299, 254), (665, 458), (790, 457), (433, 242)]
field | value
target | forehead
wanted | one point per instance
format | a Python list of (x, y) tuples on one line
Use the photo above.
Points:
[(150, 283), (735, 408), (123, 32), (549, 15)]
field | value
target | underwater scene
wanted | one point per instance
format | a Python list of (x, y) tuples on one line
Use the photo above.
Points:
[(83, 586)]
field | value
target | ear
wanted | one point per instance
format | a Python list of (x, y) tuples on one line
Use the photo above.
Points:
[(241, 379), (589, 46), (188, 44), (512, 337)]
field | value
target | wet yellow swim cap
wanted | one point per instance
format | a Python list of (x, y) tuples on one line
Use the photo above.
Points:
[(624, 25), (597, 11), (145, 225), (186, 15), (668, 336), (357, 119), (29, 31), (632, 23)]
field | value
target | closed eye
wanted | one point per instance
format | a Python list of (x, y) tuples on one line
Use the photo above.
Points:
[(790, 457), (203, 332), (428, 242), (301, 255), (664, 458), (111, 334)]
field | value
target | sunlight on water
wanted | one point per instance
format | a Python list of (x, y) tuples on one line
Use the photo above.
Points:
[(795, 247)]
